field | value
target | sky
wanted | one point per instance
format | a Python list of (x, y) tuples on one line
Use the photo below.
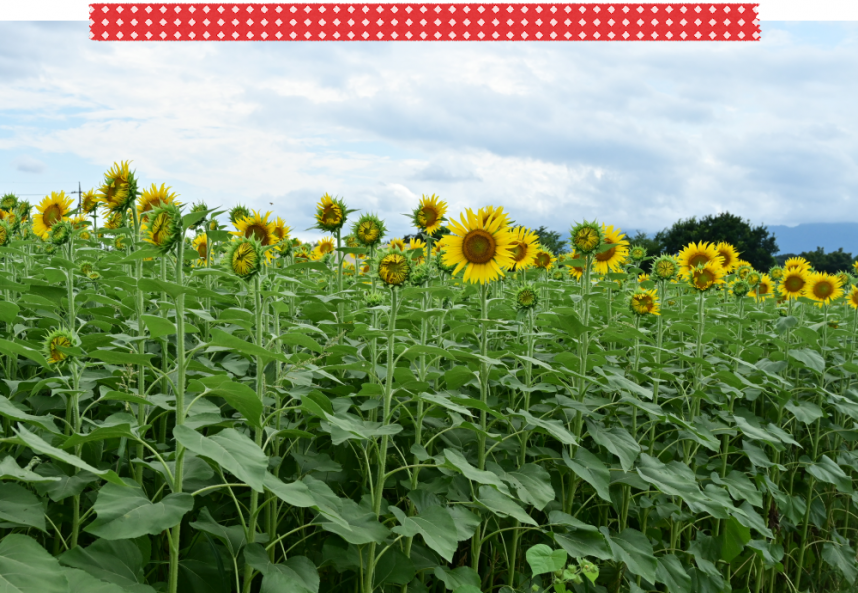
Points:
[(635, 135)]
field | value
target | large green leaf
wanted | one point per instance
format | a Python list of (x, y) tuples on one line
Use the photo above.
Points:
[(618, 441), (825, 470), (238, 395), (125, 513), (590, 469), (231, 450), (10, 411), (733, 538), (543, 559), (13, 349), (222, 339), (21, 507), (502, 505), (296, 575), (25, 567), (455, 460), (673, 478), (117, 561), (435, 525), (9, 469), (632, 547), (841, 556), (671, 572), (553, 427)]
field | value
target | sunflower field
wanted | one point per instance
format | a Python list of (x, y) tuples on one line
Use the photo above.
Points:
[(194, 401)]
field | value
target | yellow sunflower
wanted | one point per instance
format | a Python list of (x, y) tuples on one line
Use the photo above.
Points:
[(119, 188), (612, 259), (155, 197), (576, 272), (544, 259), (396, 243), (487, 212), (479, 245), (793, 283), (707, 275), (855, 265), (797, 263), (853, 297), (524, 246), (114, 221), (417, 244), (765, 288), (697, 254), (50, 211), (201, 245), (281, 231), (643, 278), (729, 255), (326, 245), (89, 201), (330, 213), (429, 214), (393, 268), (644, 302), (823, 287)]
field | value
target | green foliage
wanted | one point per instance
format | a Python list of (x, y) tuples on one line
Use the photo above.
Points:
[(552, 240), (831, 262)]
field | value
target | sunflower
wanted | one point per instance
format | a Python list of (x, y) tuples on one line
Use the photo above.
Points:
[(740, 288), (480, 246), (114, 221), (61, 232), (765, 288), (643, 278), (823, 287), (326, 245), (57, 339), (5, 233), (753, 278), (197, 207), (729, 256), (23, 211), (50, 211), (855, 266), (393, 268), (330, 213), (120, 242), (776, 273), (430, 214), (644, 302), (524, 246), (89, 201), (418, 257), (348, 269), (845, 278), (637, 253), (697, 254), (8, 202), (526, 297), (281, 230), (612, 259), (119, 189), (853, 297), (543, 259), (665, 268), (396, 243), (576, 272), (238, 212), (797, 262), (793, 283), (244, 257), (201, 246), (11, 219), (705, 276), (369, 230), (743, 270), (155, 197), (163, 227), (78, 222), (487, 212), (587, 237)]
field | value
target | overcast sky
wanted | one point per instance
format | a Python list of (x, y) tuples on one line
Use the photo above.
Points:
[(632, 134)]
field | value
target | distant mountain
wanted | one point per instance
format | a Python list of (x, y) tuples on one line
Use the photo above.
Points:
[(807, 237)]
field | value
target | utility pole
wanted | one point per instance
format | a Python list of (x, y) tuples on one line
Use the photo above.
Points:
[(79, 195)]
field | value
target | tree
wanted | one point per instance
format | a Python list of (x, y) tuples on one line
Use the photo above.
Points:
[(832, 262), (551, 240), (652, 246), (756, 245)]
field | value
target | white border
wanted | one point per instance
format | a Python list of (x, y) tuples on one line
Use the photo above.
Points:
[(770, 10)]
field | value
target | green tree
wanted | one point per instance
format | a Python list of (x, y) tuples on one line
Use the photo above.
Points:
[(551, 240), (832, 262), (651, 244), (755, 244)]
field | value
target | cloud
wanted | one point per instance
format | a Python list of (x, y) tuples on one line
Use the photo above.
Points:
[(27, 164), (555, 132)]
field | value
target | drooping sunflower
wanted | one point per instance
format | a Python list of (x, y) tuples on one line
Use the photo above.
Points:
[(429, 214), (326, 245), (765, 288), (644, 302), (119, 189), (11, 219), (524, 247), (665, 268), (853, 297), (698, 254), (544, 259), (163, 227), (50, 211), (793, 283), (823, 287), (259, 227), (587, 237), (78, 222), (244, 257), (845, 279), (89, 201), (155, 197), (797, 262), (23, 211), (393, 268), (201, 246), (330, 213), (369, 230), (61, 232), (612, 259), (705, 276), (417, 256), (479, 247), (729, 256), (114, 221), (526, 297), (55, 341), (396, 243)]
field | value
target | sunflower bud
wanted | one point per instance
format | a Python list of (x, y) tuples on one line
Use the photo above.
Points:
[(198, 207), (741, 288), (526, 297), (587, 237), (330, 214), (393, 268), (57, 339), (163, 227), (8, 202), (60, 233), (119, 190), (373, 298), (85, 268), (665, 268), (419, 275), (244, 257), (120, 242)]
